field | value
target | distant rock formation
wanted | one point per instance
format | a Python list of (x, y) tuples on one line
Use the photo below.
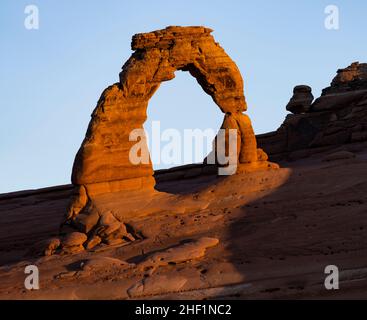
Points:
[(301, 100), (348, 88), (338, 117)]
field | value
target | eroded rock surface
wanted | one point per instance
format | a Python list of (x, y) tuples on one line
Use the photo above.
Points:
[(301, 100), (96, 264), (104, 154), (185, 252), (73, 242), (104, 164), (337, 118), (156, 284)]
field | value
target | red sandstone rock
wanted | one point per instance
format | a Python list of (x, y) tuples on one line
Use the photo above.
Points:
[(46, 247), (102, 164), (74, 239), (93, 242), (102, 263), (104, 154), (355, 72), (185, 252)]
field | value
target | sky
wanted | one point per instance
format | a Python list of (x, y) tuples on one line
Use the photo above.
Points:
[(52, 77)]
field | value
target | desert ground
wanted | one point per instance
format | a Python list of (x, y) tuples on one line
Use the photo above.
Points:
[(260, 235)]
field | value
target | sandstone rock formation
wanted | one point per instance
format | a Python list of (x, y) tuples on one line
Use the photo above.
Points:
[(73, 242), (336, 118), (348, 88), (103, 157), (301, 100), (103, 164)]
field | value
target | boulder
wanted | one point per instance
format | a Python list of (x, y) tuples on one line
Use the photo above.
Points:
[(93, 242), (107, 219), (114, 233), (301, 100), (51, 246), (85, 222), (74, 239), (46, 247), (261, 155)]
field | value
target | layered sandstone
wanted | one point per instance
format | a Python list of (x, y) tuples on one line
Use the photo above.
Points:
[(301, 100), (104, 154), (338, 117), (103, 163), (349, 87)]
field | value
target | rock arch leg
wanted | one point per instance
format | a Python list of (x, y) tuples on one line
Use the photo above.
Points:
[(102, 164)]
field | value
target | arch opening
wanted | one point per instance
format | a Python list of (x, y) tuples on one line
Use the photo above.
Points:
[(186, 117)]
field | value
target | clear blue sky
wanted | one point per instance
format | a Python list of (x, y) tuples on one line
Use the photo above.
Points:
[(51, 78)]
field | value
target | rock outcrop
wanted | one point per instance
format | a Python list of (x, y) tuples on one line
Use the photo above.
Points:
[(301, 100), (103, 158), (336, 118), (348, 88), (73, 242), (103, 163)]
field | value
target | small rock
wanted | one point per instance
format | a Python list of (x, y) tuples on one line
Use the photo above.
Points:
[(261, 155), (86, 222), (51, 246), (74, 239), (109, 229), (107, 219), (72, 249), (45, 247), (94, 241), (301, 100), (115, 231)]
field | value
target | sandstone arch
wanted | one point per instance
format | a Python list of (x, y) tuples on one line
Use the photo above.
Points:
[(102, 163)]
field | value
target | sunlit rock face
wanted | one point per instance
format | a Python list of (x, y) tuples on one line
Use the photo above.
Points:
[(103, 163), (104, 154)]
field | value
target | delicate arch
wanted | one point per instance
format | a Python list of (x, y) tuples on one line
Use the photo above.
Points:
[(103, 158)]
